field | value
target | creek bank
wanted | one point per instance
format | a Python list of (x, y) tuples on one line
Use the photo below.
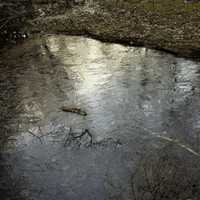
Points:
[(176, 31), (178, 36)]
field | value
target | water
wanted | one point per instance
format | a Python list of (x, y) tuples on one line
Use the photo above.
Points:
[(142, 107)]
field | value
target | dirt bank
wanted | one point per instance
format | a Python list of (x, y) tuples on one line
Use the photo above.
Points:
[(172, 26), (156, 26)]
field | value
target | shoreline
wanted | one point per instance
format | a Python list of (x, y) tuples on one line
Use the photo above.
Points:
[(175, 31), (117, 27)]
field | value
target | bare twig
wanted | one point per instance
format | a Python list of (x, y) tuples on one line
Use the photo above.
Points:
[(67, 137), (38, 137)]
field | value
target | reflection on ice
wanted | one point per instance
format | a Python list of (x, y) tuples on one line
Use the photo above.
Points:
[(120, 88), (138, 101)]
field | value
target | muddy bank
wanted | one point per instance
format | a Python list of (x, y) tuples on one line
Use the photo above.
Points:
[(177, 33)]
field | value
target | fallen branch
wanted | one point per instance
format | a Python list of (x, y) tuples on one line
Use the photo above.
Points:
[(74, 110)]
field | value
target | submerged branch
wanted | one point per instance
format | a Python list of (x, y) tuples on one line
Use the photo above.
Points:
[(38, 137), (178, 143)]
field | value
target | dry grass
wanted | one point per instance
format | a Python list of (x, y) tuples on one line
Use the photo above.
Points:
[(167, 8)]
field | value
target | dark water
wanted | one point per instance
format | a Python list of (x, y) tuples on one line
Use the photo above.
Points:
[(143, 121)]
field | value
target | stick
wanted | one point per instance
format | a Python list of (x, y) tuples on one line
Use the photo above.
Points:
[(38, 137), (67, 136)]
